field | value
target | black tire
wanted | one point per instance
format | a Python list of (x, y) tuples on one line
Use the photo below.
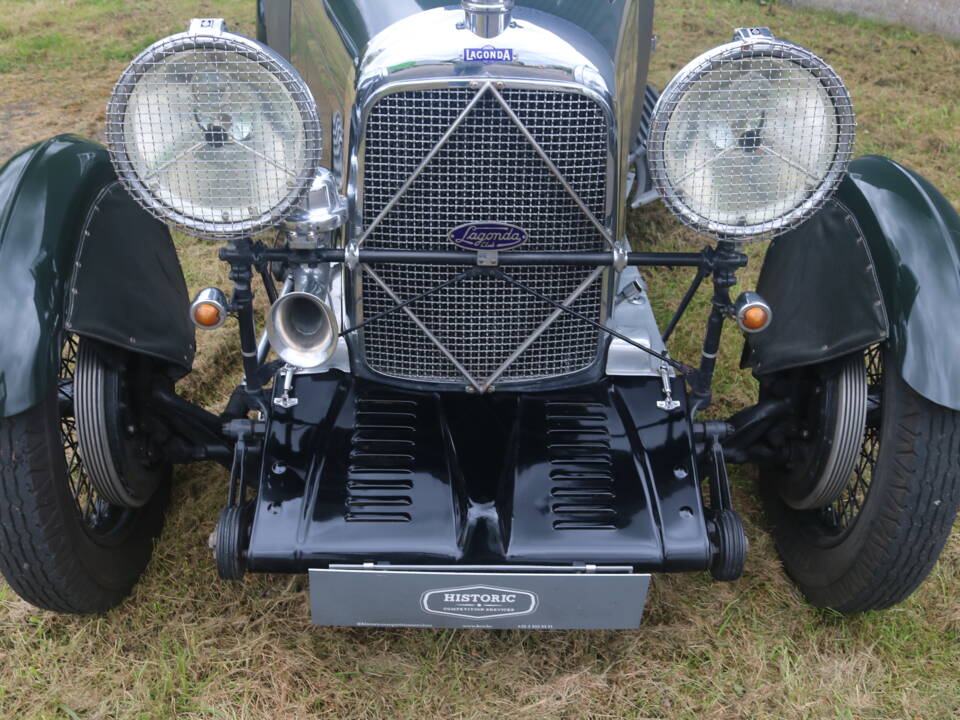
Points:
[(732, 543), (62, 547), (232, 540), (880, 539)]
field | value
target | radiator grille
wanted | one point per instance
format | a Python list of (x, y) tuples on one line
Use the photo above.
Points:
[(487, 171)]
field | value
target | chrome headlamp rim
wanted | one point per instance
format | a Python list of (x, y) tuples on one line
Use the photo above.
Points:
[(677, 89), (247, 48)]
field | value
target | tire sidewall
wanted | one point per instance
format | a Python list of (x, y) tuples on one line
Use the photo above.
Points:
[(815, 560), (116, 561)]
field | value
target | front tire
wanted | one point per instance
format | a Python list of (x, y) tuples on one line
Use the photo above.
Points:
[(63, 547), (873, 545)]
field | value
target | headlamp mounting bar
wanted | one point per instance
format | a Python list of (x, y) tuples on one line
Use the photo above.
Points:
[(258, 252), (721, 262)]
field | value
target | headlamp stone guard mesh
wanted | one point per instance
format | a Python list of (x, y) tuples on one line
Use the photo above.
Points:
[(229, 141), (725, 89)]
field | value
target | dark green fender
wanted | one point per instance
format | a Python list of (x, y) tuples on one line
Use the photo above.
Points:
[(912, 266), (44, 193), (47, 197), (914, 236)]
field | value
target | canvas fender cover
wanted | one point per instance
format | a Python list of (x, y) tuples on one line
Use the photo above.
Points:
[(127, 288), (821, 285), (824, 295)]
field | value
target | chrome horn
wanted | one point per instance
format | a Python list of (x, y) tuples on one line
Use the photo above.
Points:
[(303, 329)]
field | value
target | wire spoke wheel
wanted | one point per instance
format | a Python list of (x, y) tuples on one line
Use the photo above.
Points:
[(98, 516), (840, 515), (869, 545), (67, 547)]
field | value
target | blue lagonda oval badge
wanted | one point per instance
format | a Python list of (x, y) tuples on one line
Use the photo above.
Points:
[(488, 236)]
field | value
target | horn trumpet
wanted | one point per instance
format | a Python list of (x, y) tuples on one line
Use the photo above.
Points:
[(303, 330)]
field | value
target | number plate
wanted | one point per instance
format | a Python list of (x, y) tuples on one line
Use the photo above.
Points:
[(489, 600)]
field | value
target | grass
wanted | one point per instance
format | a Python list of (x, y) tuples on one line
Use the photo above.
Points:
[(188, 646)]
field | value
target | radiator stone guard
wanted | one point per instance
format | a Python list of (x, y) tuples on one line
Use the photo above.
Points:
[(429, 343)]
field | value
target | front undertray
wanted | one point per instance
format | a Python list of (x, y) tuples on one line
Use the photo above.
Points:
[(356, 472)]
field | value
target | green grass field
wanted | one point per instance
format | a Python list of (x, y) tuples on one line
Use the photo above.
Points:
[(186, 645)]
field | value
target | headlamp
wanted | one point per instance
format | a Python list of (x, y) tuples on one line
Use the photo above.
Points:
[(751, 138), (214, 132)]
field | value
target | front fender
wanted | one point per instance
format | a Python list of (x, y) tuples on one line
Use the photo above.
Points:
[(44, 193), (914, 237), (880, 263), (69, 230)]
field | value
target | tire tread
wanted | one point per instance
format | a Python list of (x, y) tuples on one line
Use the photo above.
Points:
[(918, 499), (36, 557)]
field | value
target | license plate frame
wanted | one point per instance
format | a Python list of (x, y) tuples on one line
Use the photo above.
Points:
[(529, 598)]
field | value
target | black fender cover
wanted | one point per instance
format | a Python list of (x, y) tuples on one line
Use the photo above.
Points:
[(821, 284), (127, 288), (880, 263)]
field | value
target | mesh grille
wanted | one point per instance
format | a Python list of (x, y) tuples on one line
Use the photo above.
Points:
[(213, 133), (487, 171), (751, 141)]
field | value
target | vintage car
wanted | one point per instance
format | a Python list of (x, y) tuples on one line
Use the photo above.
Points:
[(457, 408)]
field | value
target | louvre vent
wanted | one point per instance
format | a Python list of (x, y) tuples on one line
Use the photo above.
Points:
[(382, 454), (578, 446)]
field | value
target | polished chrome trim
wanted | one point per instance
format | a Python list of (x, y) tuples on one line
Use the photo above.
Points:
[(426, 161), (604, 230), (376, 91), (381, 87), (283, 331), (210, 296), (746, 302), (211, 34), (758, 45), (487, 18), (263, 347), (323, 211), (633, 316)]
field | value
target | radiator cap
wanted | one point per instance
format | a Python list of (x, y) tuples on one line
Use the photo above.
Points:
[(487, 18)]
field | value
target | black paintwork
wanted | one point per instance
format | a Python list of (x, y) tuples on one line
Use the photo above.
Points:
[(359, 472), (127, 287), (822, 287)]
